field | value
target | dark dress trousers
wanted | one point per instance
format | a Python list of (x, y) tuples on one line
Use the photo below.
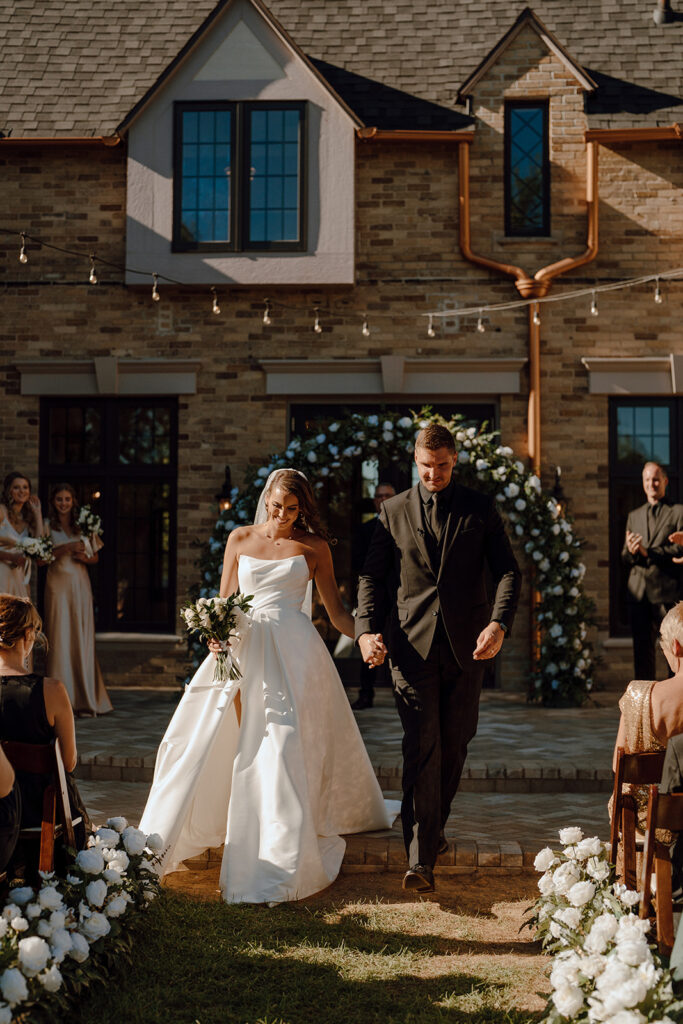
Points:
[(427, 595), (654, 582)]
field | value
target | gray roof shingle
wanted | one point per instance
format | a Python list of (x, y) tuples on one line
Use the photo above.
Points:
[(71, 67)]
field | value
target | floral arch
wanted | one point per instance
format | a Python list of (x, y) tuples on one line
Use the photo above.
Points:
[(564, 671)]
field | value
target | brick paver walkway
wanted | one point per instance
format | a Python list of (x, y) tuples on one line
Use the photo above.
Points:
[(530, 771)]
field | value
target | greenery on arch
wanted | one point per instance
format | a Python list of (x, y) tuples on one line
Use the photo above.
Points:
[(564, 673)]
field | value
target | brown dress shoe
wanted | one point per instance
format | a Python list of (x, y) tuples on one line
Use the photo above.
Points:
[(419, 878)]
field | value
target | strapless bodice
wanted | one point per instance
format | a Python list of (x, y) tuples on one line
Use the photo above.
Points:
[(278, 585)]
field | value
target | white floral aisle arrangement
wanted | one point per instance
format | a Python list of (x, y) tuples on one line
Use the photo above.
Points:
[(218, 618), (564, 673), (604, 970), (53, 939)]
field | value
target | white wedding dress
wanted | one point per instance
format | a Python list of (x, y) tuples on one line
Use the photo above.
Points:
[(281, 789)]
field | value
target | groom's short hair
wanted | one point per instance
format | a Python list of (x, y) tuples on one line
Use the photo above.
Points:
[(435, 436)]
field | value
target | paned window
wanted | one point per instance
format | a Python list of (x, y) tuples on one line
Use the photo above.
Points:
[(527, 169), (238, 180), (641, 429), (121, 457)]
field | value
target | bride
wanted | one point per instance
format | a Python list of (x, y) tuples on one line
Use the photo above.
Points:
[(271, 765)]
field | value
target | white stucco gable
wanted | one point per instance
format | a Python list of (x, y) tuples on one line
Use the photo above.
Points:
[(243, 56)]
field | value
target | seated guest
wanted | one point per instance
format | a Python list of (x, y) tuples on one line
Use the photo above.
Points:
[(672, 782), (10, 811), (652, 711), (33, 708)]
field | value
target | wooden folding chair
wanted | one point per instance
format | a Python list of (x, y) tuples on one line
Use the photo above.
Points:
[(664, 810), (45, 759), (638, 770)]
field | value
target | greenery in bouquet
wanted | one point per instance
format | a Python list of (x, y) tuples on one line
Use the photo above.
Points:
[(88, 522), (545, 533), (37, 549), (604, 971), (59, 938), (218, 618)]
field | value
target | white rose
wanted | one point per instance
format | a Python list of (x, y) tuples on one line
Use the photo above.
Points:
[(134, 841), (589, 848), (628, 1017), (629, 898), (155, 843), (21, 896), (630, 992), (10, 911), (91, 861), (32, 911), (581, 893), (95, 927), (19, 923), (570, 916), (60, 944), (116, 907), (80, 949), (6, 1014), (13, 986), (545, 859), (50, 899), (602, 931), (556, 929), (96, 892), (108, 836), (631, 926), (51, 980), (118, 824), (312, 457), (405, 422), (320, 438), (119, 862), (4, 926), (565, 877), (565, 970), (572, 834), (112, 876), (568, 1000), (633, 951), (598, 869), (545, 884), (520, 504), (34, 954), (592, 965)]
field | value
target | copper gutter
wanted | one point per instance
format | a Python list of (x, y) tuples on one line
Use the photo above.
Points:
[(405, 135), (74, 140), (611, 135)]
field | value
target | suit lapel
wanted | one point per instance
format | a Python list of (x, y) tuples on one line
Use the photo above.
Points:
[(662, 525), (414, 517), (452, 528)]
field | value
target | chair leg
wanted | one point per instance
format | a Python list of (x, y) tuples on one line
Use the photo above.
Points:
[(664, 901), (628, 839), (46, 860)]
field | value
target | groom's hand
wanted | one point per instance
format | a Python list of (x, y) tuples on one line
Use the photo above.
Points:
[(372, 649), (489, 642)]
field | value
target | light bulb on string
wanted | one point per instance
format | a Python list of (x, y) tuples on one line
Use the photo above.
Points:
[(93, 273), (23, 258), (658, 297), (316, 326), (537, 318), (594, 305), (214, 305), (365, 329), (480, 323), (155, 290), (431, 333), (266, 314)]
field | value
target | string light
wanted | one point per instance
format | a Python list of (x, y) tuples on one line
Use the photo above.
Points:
[(431, 333), (155, 290), (214, 305), (93, 272), (266, 315), (316, 326), (23, 258), (480, 323), (659, 298), (536, 318), (594, 305), (365, 329)]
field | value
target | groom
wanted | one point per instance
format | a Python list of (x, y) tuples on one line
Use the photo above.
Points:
[(424, 585)]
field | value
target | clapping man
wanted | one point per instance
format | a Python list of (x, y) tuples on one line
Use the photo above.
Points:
[(423, 590)]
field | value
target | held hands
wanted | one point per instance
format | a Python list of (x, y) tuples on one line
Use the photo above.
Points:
[(634, 544), (489, 642), (677, 538), (372, 649)]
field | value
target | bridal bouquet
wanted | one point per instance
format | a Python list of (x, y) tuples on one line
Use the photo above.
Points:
[(216, 618), (34, 549)]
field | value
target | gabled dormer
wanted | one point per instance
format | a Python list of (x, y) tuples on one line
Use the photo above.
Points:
[(241, 162)]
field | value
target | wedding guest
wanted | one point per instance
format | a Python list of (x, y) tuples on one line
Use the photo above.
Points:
[(20, 517), (654, 580), (652, 711), (69, 616), (672, 782), (33, 708)]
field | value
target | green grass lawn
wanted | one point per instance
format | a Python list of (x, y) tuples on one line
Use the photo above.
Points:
[(331, 959)]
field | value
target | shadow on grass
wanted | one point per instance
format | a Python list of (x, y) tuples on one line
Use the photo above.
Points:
[(212, 964)]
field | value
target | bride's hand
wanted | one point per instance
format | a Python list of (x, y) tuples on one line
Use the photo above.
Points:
[(216, 647)]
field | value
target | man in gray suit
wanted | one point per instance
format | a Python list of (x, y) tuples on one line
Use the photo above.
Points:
[(654, 581), (423, 588)]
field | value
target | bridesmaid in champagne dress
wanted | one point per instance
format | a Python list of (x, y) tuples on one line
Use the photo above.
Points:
[(20, 517), (69, 617)]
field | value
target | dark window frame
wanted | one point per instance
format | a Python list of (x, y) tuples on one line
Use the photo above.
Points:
[(240, 175), (622, 477), (113, 473), (510, 230)]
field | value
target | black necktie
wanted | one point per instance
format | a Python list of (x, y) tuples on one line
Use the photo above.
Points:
[(435, 517)]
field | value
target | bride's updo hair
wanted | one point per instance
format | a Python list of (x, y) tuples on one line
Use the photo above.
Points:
[(295, 483), (17, 616)]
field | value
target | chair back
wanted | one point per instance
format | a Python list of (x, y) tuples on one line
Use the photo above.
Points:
[(45, 759), (631, 769), (664, 811)]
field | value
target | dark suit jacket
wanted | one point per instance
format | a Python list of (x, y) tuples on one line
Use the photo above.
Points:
[(655, 578), (400, 592)]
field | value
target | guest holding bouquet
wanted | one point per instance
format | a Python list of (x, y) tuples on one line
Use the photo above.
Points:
[(20, 519), (69, 617)]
